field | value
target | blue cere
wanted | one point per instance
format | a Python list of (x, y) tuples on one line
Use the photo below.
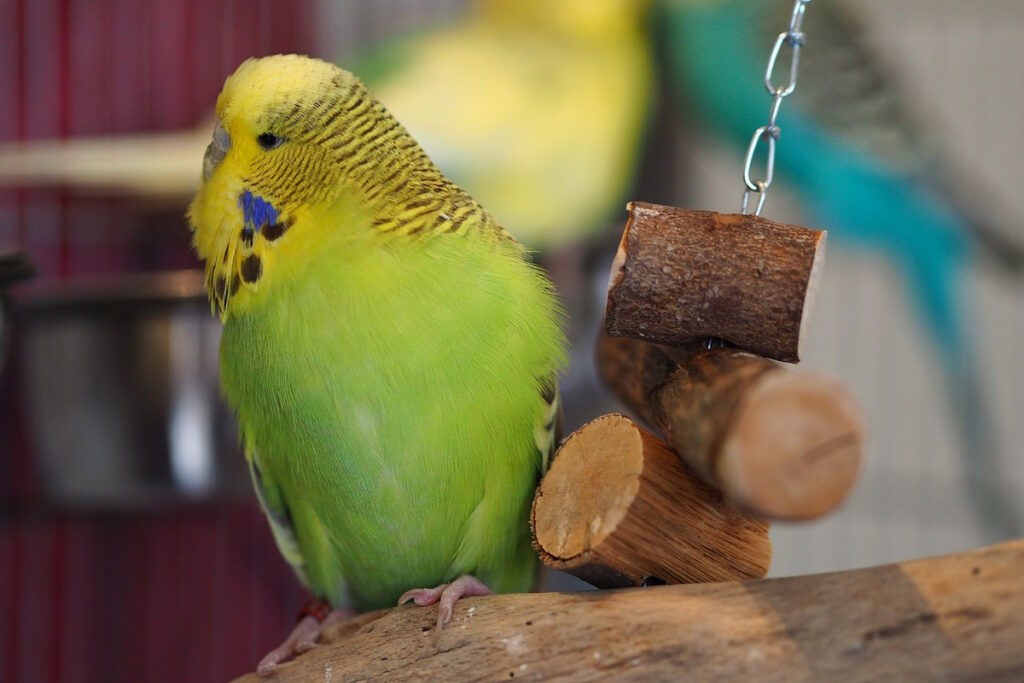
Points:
[(256, 211)]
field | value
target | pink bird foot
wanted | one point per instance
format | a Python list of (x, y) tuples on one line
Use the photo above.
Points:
[(447, 594), (313, 619)]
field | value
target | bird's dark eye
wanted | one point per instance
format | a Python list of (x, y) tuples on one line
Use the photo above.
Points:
[(269, 140)]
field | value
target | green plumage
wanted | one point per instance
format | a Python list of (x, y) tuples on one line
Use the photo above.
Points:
[(391, 397), (390, 386)]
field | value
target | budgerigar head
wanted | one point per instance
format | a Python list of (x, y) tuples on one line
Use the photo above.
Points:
[(283, 148)]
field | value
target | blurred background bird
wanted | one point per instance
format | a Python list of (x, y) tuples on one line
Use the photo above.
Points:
[(865, 168), (537, 108)]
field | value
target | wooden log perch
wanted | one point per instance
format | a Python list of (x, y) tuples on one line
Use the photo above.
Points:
[(953, 618), (681, 274), (779, 443), (618, 508)]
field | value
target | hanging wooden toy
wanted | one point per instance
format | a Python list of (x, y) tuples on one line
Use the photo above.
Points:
[(700, 305)]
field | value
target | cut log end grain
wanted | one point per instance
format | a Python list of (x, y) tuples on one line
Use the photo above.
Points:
[(794, 447), (618, 508), (595, 479), (811, 292)]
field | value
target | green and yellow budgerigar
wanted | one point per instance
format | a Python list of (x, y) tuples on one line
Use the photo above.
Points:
[(390, 351)]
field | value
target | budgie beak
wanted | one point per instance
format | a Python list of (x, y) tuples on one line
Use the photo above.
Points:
[(216, 150)]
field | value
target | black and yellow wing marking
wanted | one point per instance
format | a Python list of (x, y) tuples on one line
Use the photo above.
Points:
[(548, 428), (276, 509)]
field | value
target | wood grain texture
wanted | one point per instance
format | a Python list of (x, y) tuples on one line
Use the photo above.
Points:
[(781, 444), (682, 274), (953, 618), (613, 488)]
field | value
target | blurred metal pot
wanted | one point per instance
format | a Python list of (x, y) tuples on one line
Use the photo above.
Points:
[(119, 379)]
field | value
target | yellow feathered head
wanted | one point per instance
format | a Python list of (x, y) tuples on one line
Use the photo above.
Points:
[(286, 127)]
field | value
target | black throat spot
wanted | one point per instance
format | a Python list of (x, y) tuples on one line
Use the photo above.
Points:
[(251, 268)]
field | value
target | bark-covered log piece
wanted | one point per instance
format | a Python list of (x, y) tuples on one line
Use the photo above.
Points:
[(618, 508), (682, 274), (953, 618), (782, 444)]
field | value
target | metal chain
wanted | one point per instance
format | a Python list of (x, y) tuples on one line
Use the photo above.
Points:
[(793, 38)]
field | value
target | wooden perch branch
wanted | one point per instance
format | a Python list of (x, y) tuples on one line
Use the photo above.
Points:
[(782, 444), (682, 274), (953, 618), (618, 507)]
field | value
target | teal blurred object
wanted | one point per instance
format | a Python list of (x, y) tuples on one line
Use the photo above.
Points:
[(537, 109), (863, 169)]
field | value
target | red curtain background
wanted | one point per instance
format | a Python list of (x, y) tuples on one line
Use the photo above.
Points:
[(193, 593)]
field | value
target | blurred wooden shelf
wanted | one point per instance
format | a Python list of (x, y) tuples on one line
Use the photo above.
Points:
[(160, 167)]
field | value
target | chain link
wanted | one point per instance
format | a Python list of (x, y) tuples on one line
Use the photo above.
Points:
[(793, 39)]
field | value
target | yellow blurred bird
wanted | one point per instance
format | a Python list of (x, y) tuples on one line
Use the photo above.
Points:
[(537, 108)]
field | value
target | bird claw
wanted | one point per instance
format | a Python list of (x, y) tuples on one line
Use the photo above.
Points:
[(302, 639), (447, 594)]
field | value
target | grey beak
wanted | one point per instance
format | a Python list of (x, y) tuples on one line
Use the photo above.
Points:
[(216, 150)]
